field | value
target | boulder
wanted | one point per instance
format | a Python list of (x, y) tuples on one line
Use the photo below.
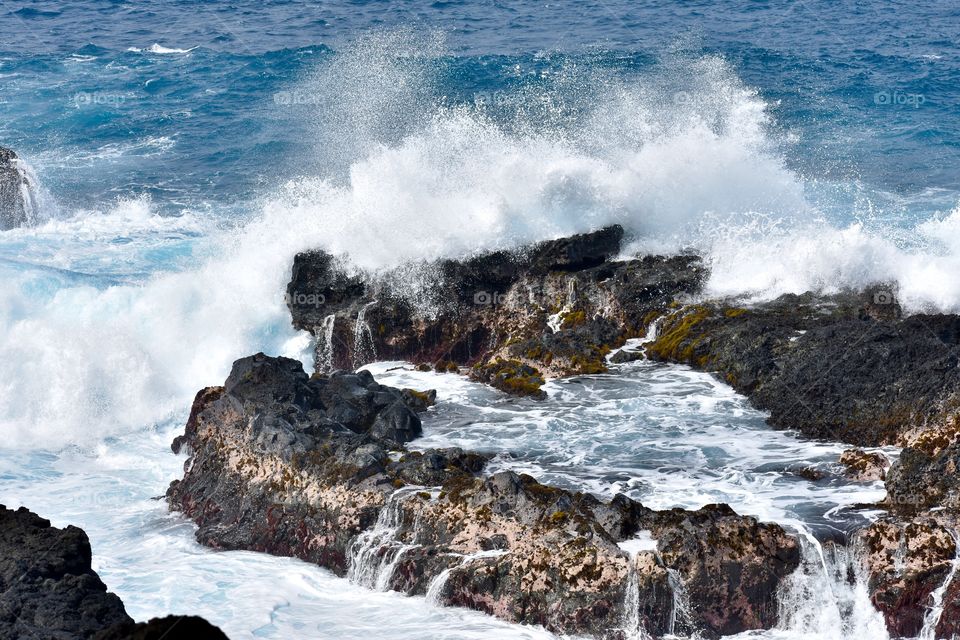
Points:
[(168, 628), (864, 467), (16, 192), (49, 588), (356, 502)]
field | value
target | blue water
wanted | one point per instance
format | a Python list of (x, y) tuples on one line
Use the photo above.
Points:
[(186, 150), (860, 93)]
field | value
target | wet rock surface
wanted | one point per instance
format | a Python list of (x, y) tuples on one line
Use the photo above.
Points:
[(841, 367), (848, 367), (851, 368), (863, 466), (292, 465), (48, 587), (168, 628), (49, 590), (15, 192), (558, 307)]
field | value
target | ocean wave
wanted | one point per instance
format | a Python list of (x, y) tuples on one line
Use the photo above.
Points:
[(684, 157), (158, 48)]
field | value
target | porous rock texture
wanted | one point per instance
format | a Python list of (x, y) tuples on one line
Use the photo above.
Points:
[(554, 309), (16, 192), (47, 587), (295, 465)]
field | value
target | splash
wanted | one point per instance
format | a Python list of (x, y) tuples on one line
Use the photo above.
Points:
[(134, 312)]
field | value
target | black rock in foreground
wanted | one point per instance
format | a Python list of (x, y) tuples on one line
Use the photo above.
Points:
[(48, 589), (169, 628)]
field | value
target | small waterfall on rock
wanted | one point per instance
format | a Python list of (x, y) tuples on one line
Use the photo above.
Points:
[(680, 618), (634, 347), (323, 352), (681, 621), (827, 596), (439, 584), (932, 619), (555, 321), (632, 624), (375, 552), (364, 350)]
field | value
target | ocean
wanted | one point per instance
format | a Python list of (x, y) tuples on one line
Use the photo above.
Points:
[(184, 151)]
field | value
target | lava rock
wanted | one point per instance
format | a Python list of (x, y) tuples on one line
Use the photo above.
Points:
[(864, 467), (397, 423), (168, 628), (559, 306), (504, 544), (49, 588), (16, 192), (511, 376), (823, 365), (579, 252)]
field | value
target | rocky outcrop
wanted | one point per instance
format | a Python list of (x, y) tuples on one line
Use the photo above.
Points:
[(295, 465), (49, 590), (907, 559), (556, 308), (844, 367), (169, 628), (848, 367), (16, 192), (863, 466)]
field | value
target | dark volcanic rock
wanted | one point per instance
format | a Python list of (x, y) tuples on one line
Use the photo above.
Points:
[(169, 628), (48, 588), (558, 307), (920, 481), (579, 252), (16, 192), (511, 376), (825, 366), (275, 471)]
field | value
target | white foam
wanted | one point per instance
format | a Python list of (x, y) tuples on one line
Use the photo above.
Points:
[(643, 541), (158, 48)]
